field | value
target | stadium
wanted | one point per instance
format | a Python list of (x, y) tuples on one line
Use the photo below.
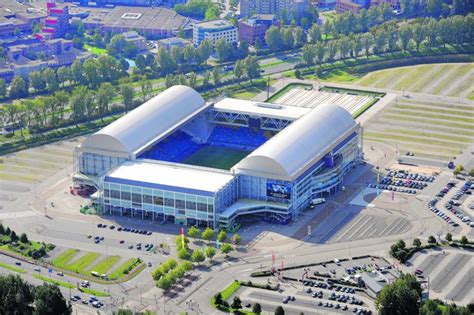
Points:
[(179, 159)]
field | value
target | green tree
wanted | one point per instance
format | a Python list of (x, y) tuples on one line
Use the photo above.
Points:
[(418, 35), (464, 240), (207, 234), (205, 78), (3, 88), (204, 51), (416, 242), (50, 301), (123, 311), (237, 239), (226, 248), (221, 236), (18, 88), (405, 35), (471, 172), (76, 72), (104, 96), (127, 92), (273, 38), (218, 298), (24, 238), (252, 67), (194, 232), (2, 229), (166, 63), (146, 88), (197, 256), (165, 283), (449, 237), (279, 310), (399, 297), (257, 308), (193, 80), (223, 50), (459, 168), (64, 75), (16, 295), (314, 34), (37, 81), (51, 79), (308, 54), (184, 254), (238, 70), (331, 50), (210, 252), (431, 239), (216, 76), (90, 70), (236, 303), (13, 236)]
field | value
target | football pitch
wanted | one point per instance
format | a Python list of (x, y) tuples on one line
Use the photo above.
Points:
[(216, 157)]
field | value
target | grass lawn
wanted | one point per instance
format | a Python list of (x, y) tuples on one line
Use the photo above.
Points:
[(398, 137), (65, 257), (351, 91), (94, 292), (248, 93), (400, 117), (125, 268), (338, 76), (54, 281), (231, 288), (105, 265), (12, 268), (226, 293), (432, 110), (95, 50), (215, 156), (81, 265), (364, 108), (425, 114)]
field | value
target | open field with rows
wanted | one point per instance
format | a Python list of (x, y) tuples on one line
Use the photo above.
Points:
[(36, 164), (435, 131), (455, 79)]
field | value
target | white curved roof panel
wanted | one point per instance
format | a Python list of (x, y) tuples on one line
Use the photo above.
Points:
[(308, 139), (147, 123)]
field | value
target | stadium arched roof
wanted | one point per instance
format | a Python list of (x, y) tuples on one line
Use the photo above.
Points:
[(289, 153), (147, 123)]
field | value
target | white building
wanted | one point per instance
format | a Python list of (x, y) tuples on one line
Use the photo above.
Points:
[(213, 31)]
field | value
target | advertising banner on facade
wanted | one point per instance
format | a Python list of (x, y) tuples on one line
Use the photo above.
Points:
[(278, 190)]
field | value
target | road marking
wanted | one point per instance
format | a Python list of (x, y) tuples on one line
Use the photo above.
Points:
[(11, 215)]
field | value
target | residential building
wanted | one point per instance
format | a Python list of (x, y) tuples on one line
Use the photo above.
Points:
[(347, 5), (256, 27), (277, 7), (15, 16), (56, 23), (213, 31)]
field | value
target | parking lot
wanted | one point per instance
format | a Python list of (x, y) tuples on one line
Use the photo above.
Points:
[(321, 291), (449, 273), (451, 201), (403, 181)]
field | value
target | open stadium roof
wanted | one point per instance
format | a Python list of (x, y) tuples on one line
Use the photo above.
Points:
[(149, 122), (287, 155), (279, 111)]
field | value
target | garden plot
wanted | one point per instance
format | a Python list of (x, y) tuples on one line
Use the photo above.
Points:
[(312, 98), (430, 130)]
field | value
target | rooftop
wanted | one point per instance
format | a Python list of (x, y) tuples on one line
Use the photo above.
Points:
[(214, 24), (170, 176), (261, 109), (139, 17)]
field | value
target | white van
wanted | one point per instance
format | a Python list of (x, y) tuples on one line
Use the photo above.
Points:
[(318, 201), (95, 273)]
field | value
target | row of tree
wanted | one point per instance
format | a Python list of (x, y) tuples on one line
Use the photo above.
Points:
[(392, 37)]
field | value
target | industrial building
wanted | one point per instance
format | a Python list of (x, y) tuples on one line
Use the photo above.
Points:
[(179, 159)]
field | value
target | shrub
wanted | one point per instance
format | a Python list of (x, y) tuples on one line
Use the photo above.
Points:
[(449, 237), (416, 242), (464, 240), (431, 239)]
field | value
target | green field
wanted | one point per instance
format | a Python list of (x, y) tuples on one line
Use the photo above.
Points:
[(216, 157), (65, 257), (54, 281), (12, 268), (82, 264), (125, 268), (105, 265)]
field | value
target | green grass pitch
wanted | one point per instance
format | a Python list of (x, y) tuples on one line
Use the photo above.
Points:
[(216, 157)]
